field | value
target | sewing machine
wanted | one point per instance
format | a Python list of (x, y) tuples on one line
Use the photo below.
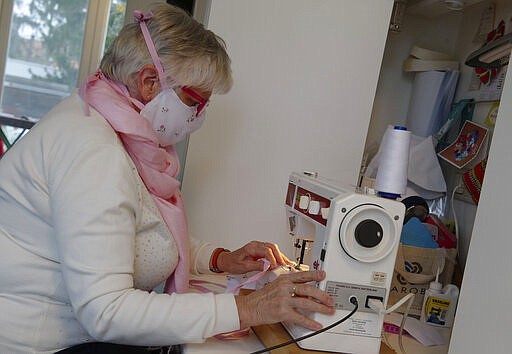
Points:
[(356, 236)]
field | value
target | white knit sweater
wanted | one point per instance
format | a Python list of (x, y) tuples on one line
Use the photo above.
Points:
[(81, 242)]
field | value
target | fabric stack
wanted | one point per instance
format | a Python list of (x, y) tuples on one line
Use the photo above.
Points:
[(421, 59)]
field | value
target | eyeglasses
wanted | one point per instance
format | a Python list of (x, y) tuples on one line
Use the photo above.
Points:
[(202, 102)]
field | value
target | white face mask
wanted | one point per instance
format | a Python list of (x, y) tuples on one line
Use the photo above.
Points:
[(171, 119)]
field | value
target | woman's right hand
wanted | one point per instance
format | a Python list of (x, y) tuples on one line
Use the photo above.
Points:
[(281, 299)]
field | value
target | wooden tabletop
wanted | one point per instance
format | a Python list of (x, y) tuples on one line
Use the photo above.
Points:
[(274, 334)]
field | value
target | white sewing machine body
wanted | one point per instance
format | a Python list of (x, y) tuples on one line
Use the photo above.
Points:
[(356, 238)]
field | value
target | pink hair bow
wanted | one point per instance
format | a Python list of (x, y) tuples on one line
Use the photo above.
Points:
[(140, 16)]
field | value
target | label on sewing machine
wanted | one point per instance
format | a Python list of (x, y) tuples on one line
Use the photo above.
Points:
[(342, 292), (365, 322), (379, 278), (362, 327)]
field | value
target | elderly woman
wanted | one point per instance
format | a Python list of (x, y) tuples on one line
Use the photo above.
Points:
[(92, 218)]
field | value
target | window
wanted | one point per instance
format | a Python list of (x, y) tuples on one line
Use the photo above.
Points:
[(47, 47)]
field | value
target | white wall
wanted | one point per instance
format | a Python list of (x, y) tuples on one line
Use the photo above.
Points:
[(305, 76)]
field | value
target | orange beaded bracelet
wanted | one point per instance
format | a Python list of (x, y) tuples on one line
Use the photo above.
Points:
[(215, 255)]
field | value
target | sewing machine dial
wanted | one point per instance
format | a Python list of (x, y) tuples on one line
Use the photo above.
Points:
[(368, 233)]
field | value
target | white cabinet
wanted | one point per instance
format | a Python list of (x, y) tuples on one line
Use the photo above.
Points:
[(482, 323)]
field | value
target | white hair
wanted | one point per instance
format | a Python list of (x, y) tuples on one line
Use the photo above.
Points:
[(190, 54)]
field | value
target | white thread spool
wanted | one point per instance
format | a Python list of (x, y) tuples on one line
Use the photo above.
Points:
[(391, 180)]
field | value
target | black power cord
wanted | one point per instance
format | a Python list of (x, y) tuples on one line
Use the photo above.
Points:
[(352, 300)]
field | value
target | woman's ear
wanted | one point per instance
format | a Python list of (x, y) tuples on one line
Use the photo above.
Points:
[(148, 83)]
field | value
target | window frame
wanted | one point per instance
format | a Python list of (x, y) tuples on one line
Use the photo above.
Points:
[(96, 24), (95, 30), (6, 8)]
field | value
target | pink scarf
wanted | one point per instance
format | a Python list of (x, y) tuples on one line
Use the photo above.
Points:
[(158, 167)]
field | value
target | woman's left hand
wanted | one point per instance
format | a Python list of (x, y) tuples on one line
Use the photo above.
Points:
[(245, 259)]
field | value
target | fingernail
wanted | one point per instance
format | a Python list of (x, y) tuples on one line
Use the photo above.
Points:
[(321, 273), (317, 326), (330, 301)]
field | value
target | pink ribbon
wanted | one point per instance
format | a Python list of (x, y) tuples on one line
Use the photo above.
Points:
[(140, 16)]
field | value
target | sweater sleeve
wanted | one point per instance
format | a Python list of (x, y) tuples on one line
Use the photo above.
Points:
[(94, 203), (200, 253)]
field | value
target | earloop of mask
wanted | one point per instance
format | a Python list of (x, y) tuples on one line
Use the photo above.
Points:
[(141, 18)]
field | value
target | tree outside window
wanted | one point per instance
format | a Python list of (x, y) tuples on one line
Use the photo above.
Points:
[(44, 52)]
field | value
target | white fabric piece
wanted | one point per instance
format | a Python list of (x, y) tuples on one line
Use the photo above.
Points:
[(414, 190), (74, 219), (431, 98), (424, 169)]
